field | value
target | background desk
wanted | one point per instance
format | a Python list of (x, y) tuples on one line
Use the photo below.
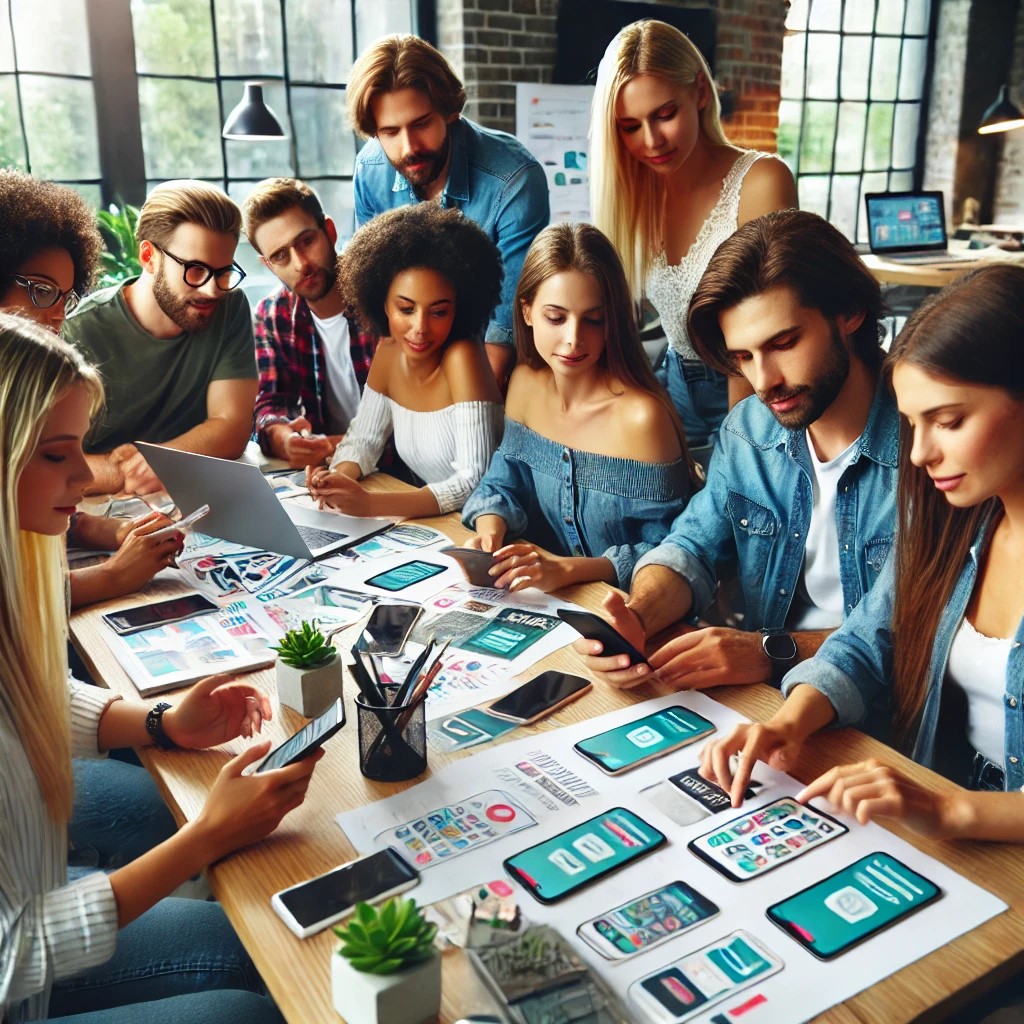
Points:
[(929, 276), (309, 842)]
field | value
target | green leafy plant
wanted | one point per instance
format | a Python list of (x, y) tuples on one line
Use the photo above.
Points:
[(305, 647), (387, 940), (121, 259)]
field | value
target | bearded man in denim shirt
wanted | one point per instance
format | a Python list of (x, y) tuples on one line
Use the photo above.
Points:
[(800, 497), (405, 97)]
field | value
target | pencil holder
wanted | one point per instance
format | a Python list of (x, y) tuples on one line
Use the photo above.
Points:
[(392, 740)]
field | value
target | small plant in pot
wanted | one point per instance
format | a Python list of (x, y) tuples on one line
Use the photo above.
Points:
[(309, 677), (387, 970)]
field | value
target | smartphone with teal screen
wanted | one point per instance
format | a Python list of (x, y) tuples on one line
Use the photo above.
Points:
[(405, 575), (565, 863), (636, 743), (847, 908)]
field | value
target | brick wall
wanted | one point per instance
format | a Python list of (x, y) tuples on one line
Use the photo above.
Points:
[(494, 43)]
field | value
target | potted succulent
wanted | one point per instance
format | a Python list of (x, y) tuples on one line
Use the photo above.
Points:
[(309, 675), (387, 970)]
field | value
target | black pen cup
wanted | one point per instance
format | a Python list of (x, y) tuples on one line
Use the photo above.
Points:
[(392, 740)]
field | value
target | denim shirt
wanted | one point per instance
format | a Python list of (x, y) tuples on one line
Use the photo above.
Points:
[(854, 665), (755, 509), (579, 503), (492, 178)]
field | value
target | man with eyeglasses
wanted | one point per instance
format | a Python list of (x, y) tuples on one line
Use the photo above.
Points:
[(175, 344), (311, 356)]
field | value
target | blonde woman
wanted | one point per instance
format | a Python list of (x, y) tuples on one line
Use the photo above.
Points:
[(668, 188), (60, 949)]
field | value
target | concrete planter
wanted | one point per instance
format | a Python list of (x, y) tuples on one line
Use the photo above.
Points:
[(310, 691), (412, 996)]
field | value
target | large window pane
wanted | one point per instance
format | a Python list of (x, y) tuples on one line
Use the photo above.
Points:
[(6, 41), (850, 137), (915, 55), (173, 37), (52, 106), (316, 54), (918, 13), (259, 159), (338, 201), (814, 193), (879, 141), (180, 129), (859, 16), (823, 67), (796, 18), (12, 145), (818, 135), (885, 69), (40, 47), (825, 15), (790, 118), (380, 18), (869, 183), (904, 135), (249, 37), (325, 141), (793, 63), (856, 55), (845, 203), (890, 17)]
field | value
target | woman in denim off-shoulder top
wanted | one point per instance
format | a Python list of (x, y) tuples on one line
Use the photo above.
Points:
[(593, 466), (668, 188)]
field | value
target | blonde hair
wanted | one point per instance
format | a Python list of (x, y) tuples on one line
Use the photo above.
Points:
[(627, 199), (186, 202), (36, 370)]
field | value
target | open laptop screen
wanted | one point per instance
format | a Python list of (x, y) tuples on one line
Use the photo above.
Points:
[(905, 221)]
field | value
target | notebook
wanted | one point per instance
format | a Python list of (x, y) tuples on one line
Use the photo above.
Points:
[(909, 227)]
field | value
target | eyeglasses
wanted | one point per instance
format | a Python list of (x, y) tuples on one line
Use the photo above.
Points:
[(195, 274), (302, 244), (44, 293)]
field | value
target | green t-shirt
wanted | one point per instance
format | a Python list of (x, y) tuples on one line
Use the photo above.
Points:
[(156, 387)]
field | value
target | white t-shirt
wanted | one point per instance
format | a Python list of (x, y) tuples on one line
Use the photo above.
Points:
[(818, 602), (342, 389)]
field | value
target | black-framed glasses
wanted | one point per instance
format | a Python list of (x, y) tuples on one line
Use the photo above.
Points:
[(195, 274), (44, 293)]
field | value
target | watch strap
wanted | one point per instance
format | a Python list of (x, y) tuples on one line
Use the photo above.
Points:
[(155, 726)]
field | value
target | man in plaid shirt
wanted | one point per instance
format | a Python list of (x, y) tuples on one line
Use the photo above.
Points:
[(310, 353)]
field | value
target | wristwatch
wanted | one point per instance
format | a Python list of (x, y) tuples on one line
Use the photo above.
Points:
[(780, 647), (155, 727)]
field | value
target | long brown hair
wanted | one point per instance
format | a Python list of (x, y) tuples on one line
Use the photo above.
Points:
[(973, 332)]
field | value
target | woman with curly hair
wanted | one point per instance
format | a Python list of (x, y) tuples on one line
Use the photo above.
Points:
[(426, 279)]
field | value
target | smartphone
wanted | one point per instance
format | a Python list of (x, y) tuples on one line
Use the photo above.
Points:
[(564, 864), (845, 909), (159, 613), (539, 696), (389, 626), (183, 524), (309, 907), (474, 564), (692, 984), (647, 921), (756, 842), (405, 575), (635, 743), (301, 744), (593, 627)]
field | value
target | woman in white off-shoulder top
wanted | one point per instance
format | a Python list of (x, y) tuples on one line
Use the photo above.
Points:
[(426, 279)]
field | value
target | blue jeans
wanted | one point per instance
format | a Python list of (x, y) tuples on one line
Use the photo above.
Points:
[(985, 775), (181, 961), (700, 394)]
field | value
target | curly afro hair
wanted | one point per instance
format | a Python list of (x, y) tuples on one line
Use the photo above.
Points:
[(422, 235), (37, 215)]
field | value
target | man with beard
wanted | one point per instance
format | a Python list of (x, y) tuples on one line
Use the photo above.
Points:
[(799, 502), (404, 96), (175, 344), (311, 356)]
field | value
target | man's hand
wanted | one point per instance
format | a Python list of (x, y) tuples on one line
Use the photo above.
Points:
[(616, 670), (138, 477), (713, 656), (295, 443)]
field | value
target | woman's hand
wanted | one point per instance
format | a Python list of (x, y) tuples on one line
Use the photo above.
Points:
[(490, 532), (521, 565), (215, 710), (338, 490), (141, 555)]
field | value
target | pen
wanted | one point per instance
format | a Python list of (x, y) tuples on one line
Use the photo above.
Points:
[(302, 415)]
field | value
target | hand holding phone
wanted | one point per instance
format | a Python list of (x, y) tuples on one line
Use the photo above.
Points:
[(593, 627), (302, 743), (474, 563), (540, 696), (184, 524)]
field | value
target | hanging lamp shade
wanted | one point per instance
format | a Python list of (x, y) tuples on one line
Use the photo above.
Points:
[(1002, 116), (252, 120)]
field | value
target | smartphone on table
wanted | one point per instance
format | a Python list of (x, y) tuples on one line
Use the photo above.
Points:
[(845, 909), (628, 746), (647, 921), (760, 840), (159, 613), (540, 696), (698, 981), (474, 563), (389, 626), (593, 627), (311, 906), (565, 863), (302, 743), (405, 575)]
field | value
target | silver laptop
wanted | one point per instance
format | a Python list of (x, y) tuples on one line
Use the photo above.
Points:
[(909, 227), (245, 510)]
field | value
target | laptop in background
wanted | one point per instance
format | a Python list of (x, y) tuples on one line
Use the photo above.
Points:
[(909, 227), (245, 510)]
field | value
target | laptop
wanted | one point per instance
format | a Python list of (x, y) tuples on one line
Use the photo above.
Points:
[(245, 510), (910, 227)]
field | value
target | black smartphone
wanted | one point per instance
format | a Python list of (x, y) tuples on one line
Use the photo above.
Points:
[(159, 613), (845, 909), (389, 626), (539, 696), (565, 863), (309, 907), (474, 564), (593, 627), (301, 744)]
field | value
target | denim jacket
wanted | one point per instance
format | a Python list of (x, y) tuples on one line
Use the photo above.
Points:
[(492, 178), (579, 503), (854, 666), (755, 509)]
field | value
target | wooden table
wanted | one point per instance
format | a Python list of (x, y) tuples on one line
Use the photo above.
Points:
[(309, 842), (928, 276)]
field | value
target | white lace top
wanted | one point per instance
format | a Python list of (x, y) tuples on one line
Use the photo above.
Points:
[(670, 288)]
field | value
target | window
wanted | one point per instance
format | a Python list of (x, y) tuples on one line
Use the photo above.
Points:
[(851, 116)]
